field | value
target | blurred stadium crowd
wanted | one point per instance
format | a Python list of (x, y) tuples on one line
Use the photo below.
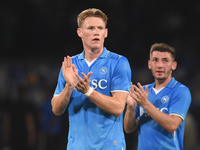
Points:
[(37, 34)]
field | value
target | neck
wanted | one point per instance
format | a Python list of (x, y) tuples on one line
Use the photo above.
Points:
[(160, 83), (90, 55)]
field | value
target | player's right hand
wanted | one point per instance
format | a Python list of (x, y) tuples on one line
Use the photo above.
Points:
[(69, 71)]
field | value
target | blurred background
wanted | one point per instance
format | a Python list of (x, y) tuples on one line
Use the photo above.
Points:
[(35, 35)]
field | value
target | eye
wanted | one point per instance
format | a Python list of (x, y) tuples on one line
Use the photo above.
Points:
[(91, 28)]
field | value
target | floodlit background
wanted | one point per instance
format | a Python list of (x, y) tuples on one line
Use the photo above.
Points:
[(35, 35)]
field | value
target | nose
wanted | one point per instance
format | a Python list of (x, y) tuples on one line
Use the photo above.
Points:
[(159, 64), (96, 31)]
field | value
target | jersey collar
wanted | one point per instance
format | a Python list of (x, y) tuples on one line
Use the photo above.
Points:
[(103, 55), (171, 84)]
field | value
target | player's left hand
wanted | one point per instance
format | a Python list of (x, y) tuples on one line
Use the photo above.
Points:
[(83, 85), (139, 94), (131, 103)]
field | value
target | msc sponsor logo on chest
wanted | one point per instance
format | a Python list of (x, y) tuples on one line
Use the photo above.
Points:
[(164, 99), (145, 114), (101, 83)]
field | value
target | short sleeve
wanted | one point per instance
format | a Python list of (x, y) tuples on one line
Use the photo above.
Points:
[(121, 80), (61, 83), (180, 102)]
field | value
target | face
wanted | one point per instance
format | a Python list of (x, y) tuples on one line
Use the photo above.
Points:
[(93, 33), (162, 65)]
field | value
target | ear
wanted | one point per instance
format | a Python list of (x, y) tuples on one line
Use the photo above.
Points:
[(149, 64), (106, 33), (79, 32), (174, 65)]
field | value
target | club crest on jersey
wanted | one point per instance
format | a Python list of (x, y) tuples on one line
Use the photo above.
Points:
[(103, 70), (165, 99), (115, 142)]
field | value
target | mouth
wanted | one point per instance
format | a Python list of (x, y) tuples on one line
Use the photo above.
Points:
[(96, 39), (159, 72)]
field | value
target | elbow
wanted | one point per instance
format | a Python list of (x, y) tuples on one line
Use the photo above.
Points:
[(171, 129), (56, 112), (129, 127), (118, 112), (127, 130), (55, 109)]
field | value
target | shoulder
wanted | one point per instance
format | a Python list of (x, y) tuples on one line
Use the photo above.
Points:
[(181, 88), (118, 58), (180, 91), (151, 85), (76, 56)]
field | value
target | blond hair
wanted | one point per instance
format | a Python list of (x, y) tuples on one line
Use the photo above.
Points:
[(91, 12)]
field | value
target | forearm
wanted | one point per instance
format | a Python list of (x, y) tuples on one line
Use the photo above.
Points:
[(168, 122), (130, 122), (113, 105), (60, 102)]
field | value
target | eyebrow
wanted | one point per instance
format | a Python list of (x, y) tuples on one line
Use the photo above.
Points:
[(161, 58)]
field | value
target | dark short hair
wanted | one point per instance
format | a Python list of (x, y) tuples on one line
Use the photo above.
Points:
[(162, 47)]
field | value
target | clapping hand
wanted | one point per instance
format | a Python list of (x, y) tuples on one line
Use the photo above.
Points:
[(83, 85), (139, 94), (130, 100), (69, 71)]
